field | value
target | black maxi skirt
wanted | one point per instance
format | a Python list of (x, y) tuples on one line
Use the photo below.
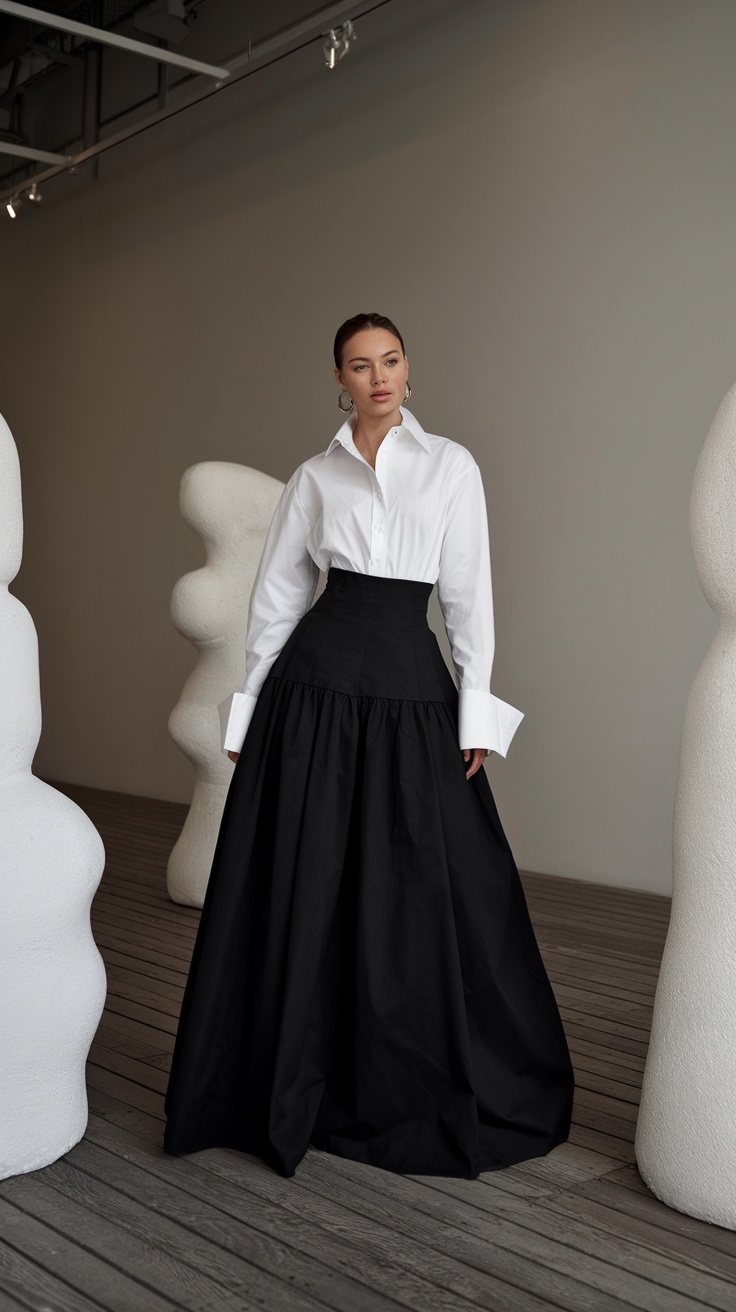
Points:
[(365, 976)]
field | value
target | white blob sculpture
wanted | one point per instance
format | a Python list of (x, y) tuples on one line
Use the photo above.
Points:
[(52, 977), (230, 507), (686, 1131)]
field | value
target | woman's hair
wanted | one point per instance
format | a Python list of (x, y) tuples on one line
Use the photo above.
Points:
[(357, 324)]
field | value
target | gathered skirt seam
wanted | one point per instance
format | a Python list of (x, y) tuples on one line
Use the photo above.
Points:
[(357, 696)]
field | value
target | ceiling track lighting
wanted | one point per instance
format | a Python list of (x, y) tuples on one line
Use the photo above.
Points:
[(337, 43), (30, 193)]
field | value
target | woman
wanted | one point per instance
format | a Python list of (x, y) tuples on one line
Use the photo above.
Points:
[(365, 976)]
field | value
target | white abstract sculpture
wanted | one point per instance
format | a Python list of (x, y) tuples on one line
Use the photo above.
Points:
[(686, 1131), (231, 507), (52, 978)]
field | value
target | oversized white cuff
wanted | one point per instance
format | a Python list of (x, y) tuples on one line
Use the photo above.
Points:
[(235, 713), (486, 721)]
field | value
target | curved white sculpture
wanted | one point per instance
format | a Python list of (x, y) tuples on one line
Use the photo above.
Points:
[(231, 507), (52, 977), (686, 1131)]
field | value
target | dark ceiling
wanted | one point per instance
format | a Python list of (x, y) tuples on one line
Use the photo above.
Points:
[(45, 74)]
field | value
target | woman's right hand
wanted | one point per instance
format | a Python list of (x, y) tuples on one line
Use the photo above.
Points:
[(233, 755)]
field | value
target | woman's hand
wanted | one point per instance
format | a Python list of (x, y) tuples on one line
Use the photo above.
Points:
[(478, 754), (233, 755)]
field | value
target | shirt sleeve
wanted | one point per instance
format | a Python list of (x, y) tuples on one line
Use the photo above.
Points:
[(465, 595), (283, 591)]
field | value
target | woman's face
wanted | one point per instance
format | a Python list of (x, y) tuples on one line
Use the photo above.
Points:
[(374, 371)]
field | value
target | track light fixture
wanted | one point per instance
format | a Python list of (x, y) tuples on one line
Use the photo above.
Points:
[(337, 43), (30, 193)]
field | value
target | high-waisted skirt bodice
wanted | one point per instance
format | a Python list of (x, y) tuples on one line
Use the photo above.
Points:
[(365, 977), (368, 636)]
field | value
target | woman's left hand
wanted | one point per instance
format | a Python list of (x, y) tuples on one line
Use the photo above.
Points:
[(478, 754)]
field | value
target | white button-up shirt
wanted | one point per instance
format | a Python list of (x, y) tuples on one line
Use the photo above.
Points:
[(420, 514)]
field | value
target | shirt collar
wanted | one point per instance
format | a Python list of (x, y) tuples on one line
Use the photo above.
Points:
[(409, 423)]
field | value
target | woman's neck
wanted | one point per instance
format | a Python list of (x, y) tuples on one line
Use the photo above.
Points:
[(370, 431)]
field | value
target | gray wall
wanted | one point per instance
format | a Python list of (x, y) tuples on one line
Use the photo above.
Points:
[(542, 195)]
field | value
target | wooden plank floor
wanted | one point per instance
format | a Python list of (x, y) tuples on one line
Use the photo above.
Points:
[(119, 1225)]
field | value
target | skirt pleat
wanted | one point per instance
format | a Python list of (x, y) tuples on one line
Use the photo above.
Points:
[(365, 976)]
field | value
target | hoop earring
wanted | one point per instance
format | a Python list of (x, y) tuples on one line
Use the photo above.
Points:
[(407, 390), (345, 408)]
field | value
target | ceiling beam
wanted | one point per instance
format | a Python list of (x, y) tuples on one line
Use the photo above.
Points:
[(43, 18)]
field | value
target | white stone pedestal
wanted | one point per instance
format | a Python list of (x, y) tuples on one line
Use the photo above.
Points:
[(686, 1130), (231, 507), (52, 978)]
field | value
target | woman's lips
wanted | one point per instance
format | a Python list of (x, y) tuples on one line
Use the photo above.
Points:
[(380, 396)]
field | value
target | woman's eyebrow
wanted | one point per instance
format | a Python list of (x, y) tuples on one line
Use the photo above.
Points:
[(366, 358)]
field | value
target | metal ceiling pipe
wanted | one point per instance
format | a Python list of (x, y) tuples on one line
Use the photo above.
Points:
[(26, 152), (99, 34)]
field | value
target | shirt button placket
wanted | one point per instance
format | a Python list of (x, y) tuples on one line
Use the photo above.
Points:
[(378, 524)]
